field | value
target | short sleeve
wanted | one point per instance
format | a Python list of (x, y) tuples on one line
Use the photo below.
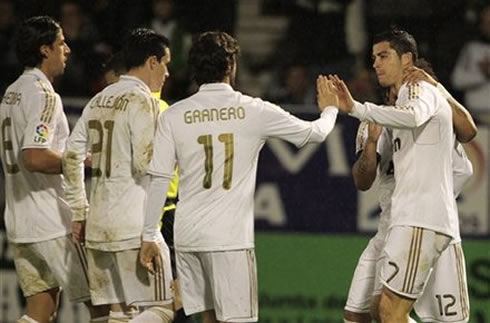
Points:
[(44, 109), (164, 152)]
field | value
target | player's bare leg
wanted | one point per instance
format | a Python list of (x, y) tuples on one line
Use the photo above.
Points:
[(394, 308), (375, 308), (40, 307), (351, 317), (208, 317)]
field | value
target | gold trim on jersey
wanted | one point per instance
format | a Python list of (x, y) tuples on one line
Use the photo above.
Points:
[(461, 281), (413, 91), (361, 136), (413, 260), (49, 104)]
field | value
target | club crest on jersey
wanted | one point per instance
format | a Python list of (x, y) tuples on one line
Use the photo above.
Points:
[(42, 132)]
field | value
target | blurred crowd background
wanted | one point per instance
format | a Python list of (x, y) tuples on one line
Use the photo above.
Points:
[(285, 43)]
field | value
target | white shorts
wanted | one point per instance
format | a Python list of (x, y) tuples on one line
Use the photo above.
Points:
[(117, 277), (49, 264), (365, 282), (445, 298), (223, 281), (410, 254)]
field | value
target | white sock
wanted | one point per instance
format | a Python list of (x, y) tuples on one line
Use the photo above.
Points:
[(411, 320), (26, 319), (155, 314)]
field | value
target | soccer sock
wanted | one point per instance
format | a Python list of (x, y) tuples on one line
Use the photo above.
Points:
[(26, 319), (155, 314), (100, 319), (411, 320)]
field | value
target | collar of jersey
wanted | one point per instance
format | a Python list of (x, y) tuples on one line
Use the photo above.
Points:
[(36, 72), (136, 80), (215, 87)]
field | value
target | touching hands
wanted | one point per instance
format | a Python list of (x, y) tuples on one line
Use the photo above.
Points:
[(325, 93), (150, 256)]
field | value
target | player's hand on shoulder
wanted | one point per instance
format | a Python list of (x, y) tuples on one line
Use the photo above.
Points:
[(150, 256), (78, 232), (413, 74), (374, 131)]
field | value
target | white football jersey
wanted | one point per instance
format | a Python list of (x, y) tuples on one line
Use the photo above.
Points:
[(215, 136), (32, 116), (117, 127), (422, 143), (385, 169)]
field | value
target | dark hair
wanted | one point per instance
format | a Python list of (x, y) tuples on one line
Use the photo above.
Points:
[(400, 40), (116, 63), (212, 55), (142, 43), (31, 35)]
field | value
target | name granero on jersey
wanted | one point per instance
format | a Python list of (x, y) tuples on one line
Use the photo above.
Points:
[(119, 103), (214, 114), (12, 98)]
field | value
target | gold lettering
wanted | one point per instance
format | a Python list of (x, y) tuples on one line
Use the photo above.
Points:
[(241, 113), (205, 115), (188, 117), (196, 116), (222, 114)]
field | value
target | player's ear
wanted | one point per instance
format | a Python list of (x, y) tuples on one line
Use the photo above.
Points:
[(44, 51)]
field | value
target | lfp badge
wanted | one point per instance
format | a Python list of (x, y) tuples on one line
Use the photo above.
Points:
[(42, 132)]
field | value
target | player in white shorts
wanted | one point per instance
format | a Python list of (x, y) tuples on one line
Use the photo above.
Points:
[(423, 210), (34, 132), (374, 152), (215, 137), (117, 127)]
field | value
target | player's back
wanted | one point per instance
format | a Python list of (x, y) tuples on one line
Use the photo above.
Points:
[(31, 116), (120, 124), (422, 156), (218, 133)]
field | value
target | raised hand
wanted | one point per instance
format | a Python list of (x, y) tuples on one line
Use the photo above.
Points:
[(150, 256), (346, 102), (325, 93)]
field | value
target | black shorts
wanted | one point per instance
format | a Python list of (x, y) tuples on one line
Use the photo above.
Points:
[(168, 234)]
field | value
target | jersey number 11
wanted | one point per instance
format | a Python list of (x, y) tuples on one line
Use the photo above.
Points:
[(207, 142)]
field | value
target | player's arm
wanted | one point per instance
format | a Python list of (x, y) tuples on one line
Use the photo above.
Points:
[(73, 170), (161, 170), (42, 160), (462, 168), (365, 167), (463, 123), (281, 124), (415, 107)]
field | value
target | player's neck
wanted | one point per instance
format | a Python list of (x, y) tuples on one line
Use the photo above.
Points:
[(44, 68)]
